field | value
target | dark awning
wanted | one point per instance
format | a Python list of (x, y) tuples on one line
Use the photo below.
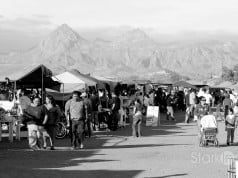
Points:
[(183, 84), (30, 76)]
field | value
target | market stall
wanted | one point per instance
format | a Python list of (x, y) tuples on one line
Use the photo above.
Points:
[(13, 77)]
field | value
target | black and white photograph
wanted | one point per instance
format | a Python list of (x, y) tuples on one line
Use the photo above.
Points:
[(118, 88)]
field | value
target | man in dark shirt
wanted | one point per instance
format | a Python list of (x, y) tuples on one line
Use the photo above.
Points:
[(34, 115), (170, 102), (88, 112), (95, 102), (116, 104), (187, 103)]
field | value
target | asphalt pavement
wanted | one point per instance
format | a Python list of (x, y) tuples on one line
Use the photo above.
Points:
[(169, 150)]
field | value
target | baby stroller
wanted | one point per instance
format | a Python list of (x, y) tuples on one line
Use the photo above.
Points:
[(209, 131)]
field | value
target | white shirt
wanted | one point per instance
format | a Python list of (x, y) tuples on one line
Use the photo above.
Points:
[(200, 93), (208, 97), (232, 97), (235, 110), (192, 97)]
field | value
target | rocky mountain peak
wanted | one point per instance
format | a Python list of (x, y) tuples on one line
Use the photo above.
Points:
[(64, 31), (133, 36), (137, 33), (61, 39), (132, 53)]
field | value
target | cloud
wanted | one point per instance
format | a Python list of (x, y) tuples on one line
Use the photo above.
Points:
[(42, 16), (1, 16), (26, 24)]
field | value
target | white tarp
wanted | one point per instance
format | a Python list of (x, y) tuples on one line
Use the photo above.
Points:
[(68, 77), (73, 80)]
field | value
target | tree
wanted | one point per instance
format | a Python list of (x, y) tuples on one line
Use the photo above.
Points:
[(227, 74), (235, 68), (235, 73)]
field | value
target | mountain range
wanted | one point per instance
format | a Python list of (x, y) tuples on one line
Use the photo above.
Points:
[(132, 55)]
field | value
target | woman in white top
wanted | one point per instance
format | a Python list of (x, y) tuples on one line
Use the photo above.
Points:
[(137, 119)]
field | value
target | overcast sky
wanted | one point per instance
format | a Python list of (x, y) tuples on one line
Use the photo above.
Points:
[(164, 16)]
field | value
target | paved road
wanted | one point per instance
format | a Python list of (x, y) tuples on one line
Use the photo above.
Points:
[(170, 150)]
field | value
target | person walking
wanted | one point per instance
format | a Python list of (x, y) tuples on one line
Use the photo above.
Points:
[(53, 115), (88, 112), (230, 124), (201, 110), (170, 103), (227, 104), (115, 107), (76, 110), (95, 102), (137, 118), (192, 103), (34, 116), (187, 103)]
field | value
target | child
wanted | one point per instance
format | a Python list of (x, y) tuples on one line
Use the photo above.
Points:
[(230, 126)]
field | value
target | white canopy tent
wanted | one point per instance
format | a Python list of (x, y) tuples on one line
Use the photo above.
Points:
[(225, 84), (73, 80)]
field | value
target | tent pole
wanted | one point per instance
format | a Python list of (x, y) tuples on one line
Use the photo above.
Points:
[(42, 86), (63, 95), (15, 85), (15, 90)]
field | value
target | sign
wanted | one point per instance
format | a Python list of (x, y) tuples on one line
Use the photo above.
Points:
[(152, 116)]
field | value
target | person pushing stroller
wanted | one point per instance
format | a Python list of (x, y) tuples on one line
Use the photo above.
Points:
[(209, 130), (201, 110)]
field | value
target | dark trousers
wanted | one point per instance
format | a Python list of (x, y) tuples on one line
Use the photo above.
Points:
[(77, 132), (95, 119), (88, 131), (103, 117), (230, 135), (226, 111), (51, 132), (113, 120)]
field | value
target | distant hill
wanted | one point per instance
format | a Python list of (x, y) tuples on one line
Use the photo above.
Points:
[(132, 54)]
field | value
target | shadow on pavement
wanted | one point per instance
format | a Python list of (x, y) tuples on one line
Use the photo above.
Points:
[(172, 175), (67, 164), (17, 161), (141, 146)]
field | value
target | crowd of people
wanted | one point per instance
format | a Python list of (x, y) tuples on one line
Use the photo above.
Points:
[(85, 111), (200, 104)]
